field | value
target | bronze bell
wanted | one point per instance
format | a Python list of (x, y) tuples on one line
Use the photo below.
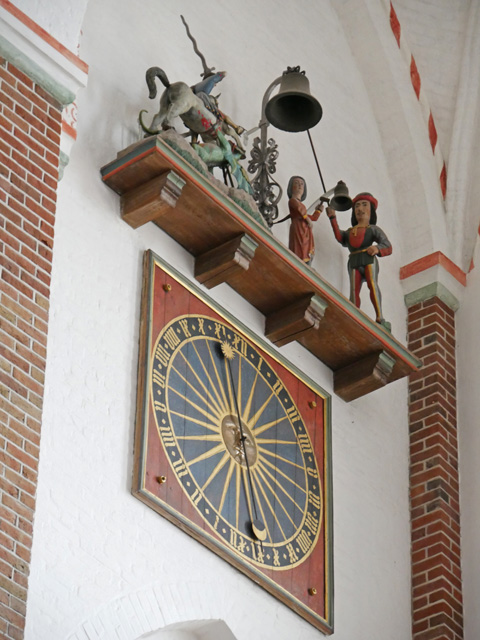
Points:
[(341, 201), (293, 108)]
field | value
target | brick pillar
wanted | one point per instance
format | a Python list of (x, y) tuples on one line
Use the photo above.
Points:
[(30, 124), (437, 611)]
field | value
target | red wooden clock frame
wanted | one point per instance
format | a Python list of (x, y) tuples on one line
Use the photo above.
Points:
[(303, 579)]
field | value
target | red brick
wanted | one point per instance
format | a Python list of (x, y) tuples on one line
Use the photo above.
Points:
[(53, 123), (7, 102), (34, 148), (13, 385), (19, 75), (14, 141), (26, 188), (28, 434), (15, 283), (434, 469), (50, 205), (32, 119), (20, 235), (28, 165), (433, 587), (39, 350), (441, 632), (5, 124), (9, 266), (43, 164), (45, 141), (29, 355), (22, 456), (27, 382), (40, 212), (17, 97), (25, 212), (14, 632), (12, 163), (6, 340), (15, 333), (52, 158), (48, 98)]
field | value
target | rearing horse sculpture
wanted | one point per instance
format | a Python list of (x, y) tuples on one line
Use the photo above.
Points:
[(198, 111)]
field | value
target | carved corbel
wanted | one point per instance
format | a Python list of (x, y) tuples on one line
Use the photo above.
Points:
[(364, 376), (226, 261), (294, 321), (151, 200)]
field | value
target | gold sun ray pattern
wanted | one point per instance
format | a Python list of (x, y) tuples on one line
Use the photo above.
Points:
[(235, 467)]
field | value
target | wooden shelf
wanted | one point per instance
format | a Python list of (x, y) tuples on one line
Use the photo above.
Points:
[(158, 184)]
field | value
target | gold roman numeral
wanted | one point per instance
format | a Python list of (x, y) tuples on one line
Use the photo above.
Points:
[(162, 354), (171, 338), (303, 541), (180, 468)]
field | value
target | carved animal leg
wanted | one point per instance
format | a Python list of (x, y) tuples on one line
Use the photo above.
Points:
[(157, 121)]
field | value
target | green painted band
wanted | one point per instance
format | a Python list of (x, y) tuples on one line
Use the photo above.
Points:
[(432, 290), (35, 72)]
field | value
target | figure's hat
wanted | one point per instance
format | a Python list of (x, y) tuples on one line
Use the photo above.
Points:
[(364, 195)]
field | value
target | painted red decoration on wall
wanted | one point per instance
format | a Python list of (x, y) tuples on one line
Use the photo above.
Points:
[(395, 24), (415, 76), (432, 132)]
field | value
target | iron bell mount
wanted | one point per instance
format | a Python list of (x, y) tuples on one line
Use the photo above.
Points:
[(293, 109)]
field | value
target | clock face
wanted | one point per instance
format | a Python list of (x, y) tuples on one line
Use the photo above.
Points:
[(236, 441), (232, 445)]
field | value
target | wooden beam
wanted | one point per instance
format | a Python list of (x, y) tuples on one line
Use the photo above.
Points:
[(151, 200), (294, 321), (224, 262), (363, 376)]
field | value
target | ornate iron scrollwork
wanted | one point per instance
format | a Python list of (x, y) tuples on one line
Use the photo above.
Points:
[(266, 190)]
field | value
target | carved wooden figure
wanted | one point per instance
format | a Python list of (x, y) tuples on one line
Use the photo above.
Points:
[(365, 241), (301, 240)]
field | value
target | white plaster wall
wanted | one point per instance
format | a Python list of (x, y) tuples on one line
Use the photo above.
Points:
[(61, 19), (435, 32), (468, 339), (104, 565)]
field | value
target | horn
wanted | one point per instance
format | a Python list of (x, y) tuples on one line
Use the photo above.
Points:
[(341, 201), (293, 108)]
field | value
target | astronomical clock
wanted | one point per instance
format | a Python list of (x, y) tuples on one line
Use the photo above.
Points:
[(233, 444)]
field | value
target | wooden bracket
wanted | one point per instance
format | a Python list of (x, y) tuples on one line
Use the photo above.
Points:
[(152, 199), (294, 321), (222, 263), (363, 376)]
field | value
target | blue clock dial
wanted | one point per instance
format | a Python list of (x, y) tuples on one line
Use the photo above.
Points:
[(203, 410)]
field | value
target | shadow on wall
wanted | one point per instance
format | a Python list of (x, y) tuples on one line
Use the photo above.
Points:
[(192, 630)]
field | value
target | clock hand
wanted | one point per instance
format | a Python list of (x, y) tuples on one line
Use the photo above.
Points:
[(258, 527)]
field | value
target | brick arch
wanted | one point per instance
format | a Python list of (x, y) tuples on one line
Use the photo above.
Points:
[(192, 630), (161, 611)]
